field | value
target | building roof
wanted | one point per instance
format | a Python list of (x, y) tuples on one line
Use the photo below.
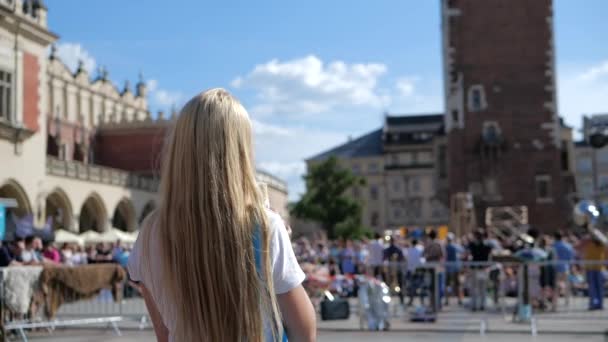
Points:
[(371, 144), (367, 145), (414, 119)]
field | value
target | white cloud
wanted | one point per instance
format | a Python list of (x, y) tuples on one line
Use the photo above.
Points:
[(405, 86), (162, 97), (284, 155), (72, 53), (167, 98), (284, 169), (152, 85), (595, 72), (308, 85), (582, 90), (262, 128)]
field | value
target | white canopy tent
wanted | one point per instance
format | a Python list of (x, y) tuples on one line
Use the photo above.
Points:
[(63, 236)]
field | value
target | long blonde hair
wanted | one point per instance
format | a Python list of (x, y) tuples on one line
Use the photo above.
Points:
[(210, 209)]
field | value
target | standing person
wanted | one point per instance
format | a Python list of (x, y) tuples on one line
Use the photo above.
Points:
[(394, 257), (594, 252), (453, 252), (213, 263), (564, 255), (414, 274), (547, 276), (376, 254), (479, 252), (347, 259), (433, 253)]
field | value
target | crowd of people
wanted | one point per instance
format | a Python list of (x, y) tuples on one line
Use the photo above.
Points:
[(32, 250), (475, 265)]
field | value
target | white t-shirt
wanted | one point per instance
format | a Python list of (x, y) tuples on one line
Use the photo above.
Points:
[(414, 257), (286, 272), (29, 256), (376, 253)]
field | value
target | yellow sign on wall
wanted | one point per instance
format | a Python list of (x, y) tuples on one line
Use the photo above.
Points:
[(442, 232)]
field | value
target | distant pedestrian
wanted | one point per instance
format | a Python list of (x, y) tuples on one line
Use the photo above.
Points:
[(376, 254), (594, 253), (454, 253), (479, 252)]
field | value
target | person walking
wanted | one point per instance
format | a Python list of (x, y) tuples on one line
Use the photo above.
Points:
[(376, 255), (415, 275), (563, 253), (479, 252), (393, 257), (594, 253), (453, 252), (213, 264), (433, 254)]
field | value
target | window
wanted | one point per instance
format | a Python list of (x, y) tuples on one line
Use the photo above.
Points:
[(374, 220), (397, 185), (602, 156), (455, 116), (356, 192), (397, 212), (424, 157), (5, 95), (603, 182), (543, 188), (356, 169), (476, 98), (373, 192), (394, 160), (372, 167), (415, 184), (565, 156), (584, 164), (587, 188)]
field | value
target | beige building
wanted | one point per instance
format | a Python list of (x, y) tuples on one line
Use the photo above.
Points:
[(403, 164), (591, 164), (62, 136)]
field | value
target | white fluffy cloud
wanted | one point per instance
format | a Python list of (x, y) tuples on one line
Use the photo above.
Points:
[(595, 72), (161, 97), (582, 90), (72, 53), (405, 86), (284, 155), (308, 85), (261, 128)]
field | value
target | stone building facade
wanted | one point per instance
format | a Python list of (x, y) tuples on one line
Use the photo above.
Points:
[(74, 149), (506, 145), (403, 164), (591, 163)]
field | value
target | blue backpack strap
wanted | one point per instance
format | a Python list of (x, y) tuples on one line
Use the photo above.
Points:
[(257, 251)]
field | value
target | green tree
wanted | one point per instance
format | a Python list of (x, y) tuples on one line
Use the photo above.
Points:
[(325, 200)]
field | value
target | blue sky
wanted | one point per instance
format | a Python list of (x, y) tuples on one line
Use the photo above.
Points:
[(313, 73)]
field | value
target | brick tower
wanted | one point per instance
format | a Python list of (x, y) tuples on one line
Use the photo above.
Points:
[(504, 135)]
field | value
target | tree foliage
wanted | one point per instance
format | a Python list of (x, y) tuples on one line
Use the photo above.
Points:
[(326, 202)]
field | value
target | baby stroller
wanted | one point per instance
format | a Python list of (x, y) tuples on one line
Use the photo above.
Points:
[(374, 300)]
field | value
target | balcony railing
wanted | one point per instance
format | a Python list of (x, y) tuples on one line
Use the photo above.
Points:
[(99, 174)]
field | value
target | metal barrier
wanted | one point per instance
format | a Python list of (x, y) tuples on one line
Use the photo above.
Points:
[(27, 304), (498, 295)]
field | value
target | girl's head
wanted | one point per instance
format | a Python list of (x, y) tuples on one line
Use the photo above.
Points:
[(210, 207)]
